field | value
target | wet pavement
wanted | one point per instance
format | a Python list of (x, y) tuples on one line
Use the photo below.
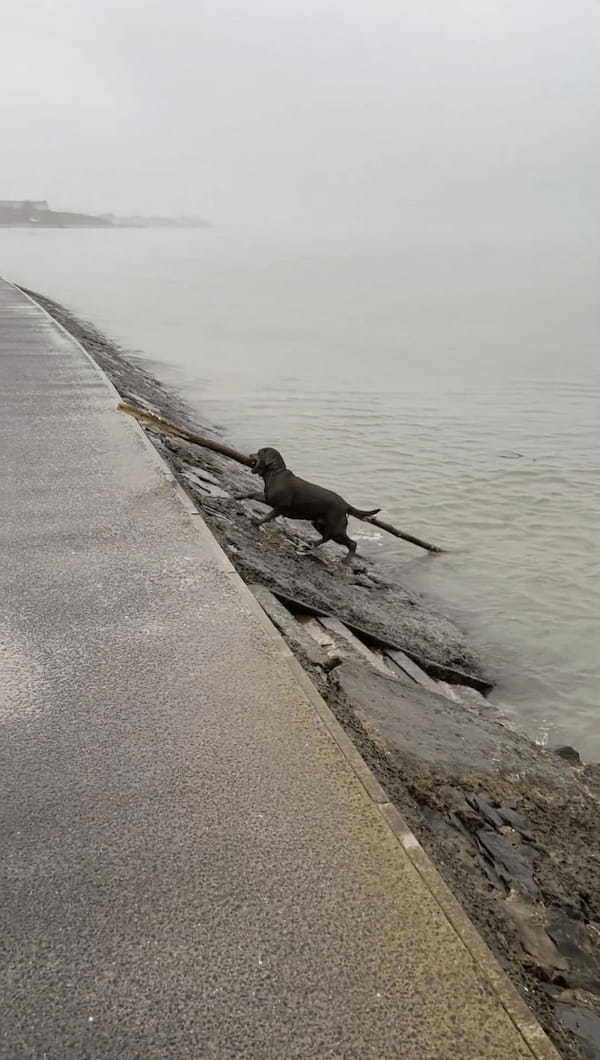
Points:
[(190, 865)]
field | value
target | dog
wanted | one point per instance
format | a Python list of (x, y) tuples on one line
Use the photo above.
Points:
[(295, 498)]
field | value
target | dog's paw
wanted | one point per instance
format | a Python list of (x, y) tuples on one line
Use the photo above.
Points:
[(352, 564), (302, 547), (358, 567)]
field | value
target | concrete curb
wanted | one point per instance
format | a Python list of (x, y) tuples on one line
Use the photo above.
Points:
[(530, 1030)]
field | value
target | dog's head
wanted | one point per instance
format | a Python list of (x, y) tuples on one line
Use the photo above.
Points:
[(267, 460)]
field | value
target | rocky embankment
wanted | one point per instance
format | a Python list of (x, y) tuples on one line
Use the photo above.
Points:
[(514, 829)]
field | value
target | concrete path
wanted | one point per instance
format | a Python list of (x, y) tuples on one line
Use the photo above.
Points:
[(189, 865)]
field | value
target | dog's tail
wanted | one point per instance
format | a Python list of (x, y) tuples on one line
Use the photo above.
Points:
[(360, 514)]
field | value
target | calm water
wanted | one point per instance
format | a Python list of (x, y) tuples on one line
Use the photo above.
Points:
[(455, 383)]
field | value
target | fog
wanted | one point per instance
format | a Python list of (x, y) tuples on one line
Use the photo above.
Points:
[(313, 115)]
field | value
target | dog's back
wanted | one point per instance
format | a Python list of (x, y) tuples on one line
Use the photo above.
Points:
[(304, 500)]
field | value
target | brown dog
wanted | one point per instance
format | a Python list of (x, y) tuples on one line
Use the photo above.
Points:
[(297, 499)]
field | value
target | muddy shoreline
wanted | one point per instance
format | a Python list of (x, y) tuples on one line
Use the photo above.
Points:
[(512, 828)]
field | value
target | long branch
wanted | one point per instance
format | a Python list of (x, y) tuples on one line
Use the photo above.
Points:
[(401, 533), (182, 432)]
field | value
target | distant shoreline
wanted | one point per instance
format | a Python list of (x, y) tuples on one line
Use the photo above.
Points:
[(29, 214), (99, 223)]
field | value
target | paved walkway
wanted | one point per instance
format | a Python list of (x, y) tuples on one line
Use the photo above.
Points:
[(189, 866)]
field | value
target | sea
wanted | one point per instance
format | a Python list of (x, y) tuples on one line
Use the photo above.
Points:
[(451, 379)]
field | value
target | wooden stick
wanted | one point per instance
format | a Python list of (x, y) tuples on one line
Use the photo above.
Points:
[(217, 447), (400, 533), (182, 432)]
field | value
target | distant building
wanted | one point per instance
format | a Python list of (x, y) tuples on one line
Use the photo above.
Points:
[(24, 204)]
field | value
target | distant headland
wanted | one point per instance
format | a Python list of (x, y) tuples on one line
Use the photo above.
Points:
[(36, 213)]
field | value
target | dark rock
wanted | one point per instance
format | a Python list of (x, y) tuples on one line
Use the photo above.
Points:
[(572, 939), (510, 863), (510, 817), (528, 921), (569, 754), (483, 805), (585, 1024)]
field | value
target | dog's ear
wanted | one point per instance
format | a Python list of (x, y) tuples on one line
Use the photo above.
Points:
[(271, 458), (259, 461), (265, 459)]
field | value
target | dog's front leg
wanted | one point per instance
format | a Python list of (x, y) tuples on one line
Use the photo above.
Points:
[(267, 518), (256, 495), (306, 550)]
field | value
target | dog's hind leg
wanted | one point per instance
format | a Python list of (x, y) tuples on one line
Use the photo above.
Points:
[(316, 544), (325, 536), (343, 539)]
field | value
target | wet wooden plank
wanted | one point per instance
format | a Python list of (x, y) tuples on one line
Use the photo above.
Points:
[(355, 646), (318, 633), (298, 638), (406, 664)]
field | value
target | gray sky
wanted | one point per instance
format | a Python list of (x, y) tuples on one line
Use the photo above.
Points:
[(305, 113)]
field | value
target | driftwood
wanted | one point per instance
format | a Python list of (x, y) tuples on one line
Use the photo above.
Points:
[(218, 447), (297, 636), (182, 432), (401, 533)]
